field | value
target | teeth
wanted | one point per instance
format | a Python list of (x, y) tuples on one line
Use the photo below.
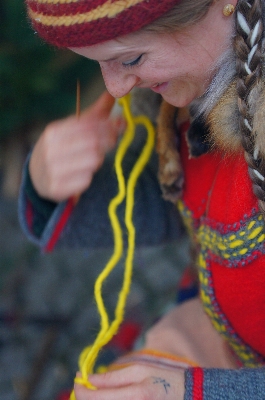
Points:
[(157, 84)]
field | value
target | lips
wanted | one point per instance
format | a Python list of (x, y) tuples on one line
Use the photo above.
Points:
[(159, 87), (157, 84)]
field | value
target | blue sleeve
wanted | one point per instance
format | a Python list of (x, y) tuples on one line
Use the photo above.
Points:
[(225, 384)]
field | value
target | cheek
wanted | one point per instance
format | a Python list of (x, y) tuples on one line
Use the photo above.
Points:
[(200, 73)]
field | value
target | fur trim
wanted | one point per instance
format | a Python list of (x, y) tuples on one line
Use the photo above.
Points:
[(170, 173), (225, 72), (258, 111), (197, 138), (223, 122)]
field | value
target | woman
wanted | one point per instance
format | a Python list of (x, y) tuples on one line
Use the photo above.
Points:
[(202, 56)]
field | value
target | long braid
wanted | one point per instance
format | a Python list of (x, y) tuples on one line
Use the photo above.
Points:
[(248, 49)]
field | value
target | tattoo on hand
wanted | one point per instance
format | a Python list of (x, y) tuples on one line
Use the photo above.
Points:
[(162, 381)]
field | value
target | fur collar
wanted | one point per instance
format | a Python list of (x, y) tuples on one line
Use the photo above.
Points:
[(223, 120)]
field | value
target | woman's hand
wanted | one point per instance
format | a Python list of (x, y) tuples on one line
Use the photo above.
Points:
[(136, 382), (70, 151)]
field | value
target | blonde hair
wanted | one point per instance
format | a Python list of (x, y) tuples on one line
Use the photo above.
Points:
[(184, 14)]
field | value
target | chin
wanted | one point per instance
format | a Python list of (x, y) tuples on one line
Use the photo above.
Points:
[(178, 101)]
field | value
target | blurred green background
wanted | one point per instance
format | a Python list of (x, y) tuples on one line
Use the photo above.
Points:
[(37, 85), (37, 81)]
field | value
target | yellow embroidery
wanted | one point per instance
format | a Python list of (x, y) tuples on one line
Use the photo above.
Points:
[(109, 9), (233, 248)]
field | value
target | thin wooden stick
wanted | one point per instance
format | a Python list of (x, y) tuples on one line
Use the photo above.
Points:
[(78, 98), (77, 113)]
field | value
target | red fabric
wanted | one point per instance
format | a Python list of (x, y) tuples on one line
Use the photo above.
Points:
[(217, 186), (60, 225), (29, 214), (96, 31), (64, 395), (64, 8), (218, 191), (126, 336), (197, 390)]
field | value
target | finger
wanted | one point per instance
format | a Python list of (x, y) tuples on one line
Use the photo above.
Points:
[(106, 102), (119, 124), (135, 382), (130, 392), (112, 379), (102, 107), (121, 377), (82, 393), (110, 133)]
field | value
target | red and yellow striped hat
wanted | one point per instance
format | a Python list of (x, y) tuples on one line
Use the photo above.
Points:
[(78, 23)]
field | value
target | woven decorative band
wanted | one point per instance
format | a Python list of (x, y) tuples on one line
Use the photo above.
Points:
[(78, 23)]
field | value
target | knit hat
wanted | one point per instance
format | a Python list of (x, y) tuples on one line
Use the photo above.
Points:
[(78, 23)]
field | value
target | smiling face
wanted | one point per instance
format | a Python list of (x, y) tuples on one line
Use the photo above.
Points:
[(178, 65)]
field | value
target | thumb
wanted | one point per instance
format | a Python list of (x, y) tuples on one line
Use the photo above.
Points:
[(102, 107)]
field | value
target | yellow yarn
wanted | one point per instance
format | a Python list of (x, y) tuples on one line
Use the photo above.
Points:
[(88, 356)]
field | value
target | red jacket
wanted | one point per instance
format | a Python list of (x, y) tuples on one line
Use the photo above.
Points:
[(222, 213)]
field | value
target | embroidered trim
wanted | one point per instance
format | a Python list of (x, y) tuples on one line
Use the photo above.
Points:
[(236, 248), (246, 354)]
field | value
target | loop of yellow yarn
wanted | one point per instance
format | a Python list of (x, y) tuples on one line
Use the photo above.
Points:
[(85, 382), (88, 356), (83, 355)]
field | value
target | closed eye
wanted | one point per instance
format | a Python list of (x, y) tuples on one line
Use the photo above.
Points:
[(132, 63)]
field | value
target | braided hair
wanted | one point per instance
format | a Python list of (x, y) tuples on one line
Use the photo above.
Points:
[(249, 86)]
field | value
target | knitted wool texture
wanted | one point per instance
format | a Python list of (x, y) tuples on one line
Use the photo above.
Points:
[(78, 23), (222, 215)]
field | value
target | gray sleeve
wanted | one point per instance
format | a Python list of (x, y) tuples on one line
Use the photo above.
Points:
[(88, 225), (155, 219), (225, 384)]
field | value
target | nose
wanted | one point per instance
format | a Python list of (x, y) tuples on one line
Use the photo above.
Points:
[(117, 81)]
